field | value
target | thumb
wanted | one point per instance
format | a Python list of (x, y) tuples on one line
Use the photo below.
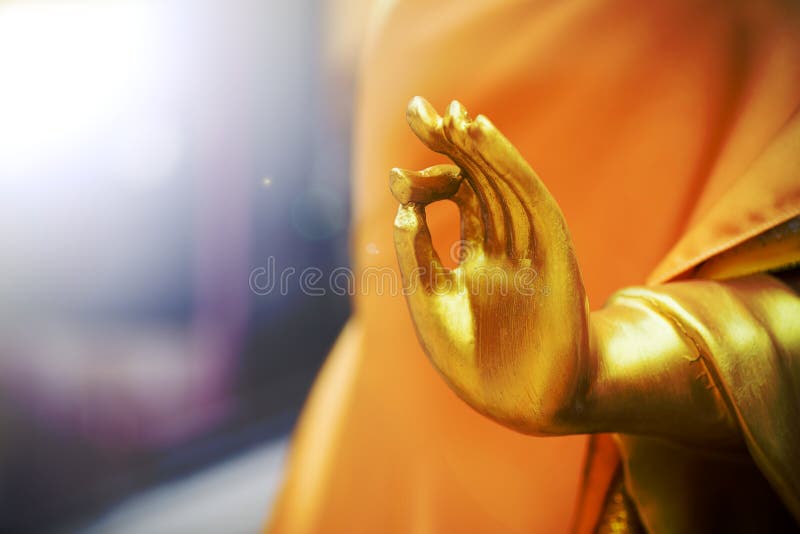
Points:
[(419, 262)]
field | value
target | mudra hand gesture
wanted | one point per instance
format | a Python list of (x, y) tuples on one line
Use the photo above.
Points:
[(507, 328), (709, 364)]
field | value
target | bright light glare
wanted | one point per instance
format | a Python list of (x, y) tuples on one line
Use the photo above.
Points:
[(67, 69)]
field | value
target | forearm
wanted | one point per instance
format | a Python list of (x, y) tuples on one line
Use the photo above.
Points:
[(649, 377), (656, 352)]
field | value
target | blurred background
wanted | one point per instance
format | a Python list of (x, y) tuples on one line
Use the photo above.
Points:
[(153, 154)]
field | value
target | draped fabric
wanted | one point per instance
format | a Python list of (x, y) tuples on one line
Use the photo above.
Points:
[(667, 131), (747, 335)]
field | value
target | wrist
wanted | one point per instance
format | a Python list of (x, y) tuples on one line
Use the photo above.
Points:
[(648, 376)]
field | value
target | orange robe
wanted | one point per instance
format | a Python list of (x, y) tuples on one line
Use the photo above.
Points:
[(667, 131)]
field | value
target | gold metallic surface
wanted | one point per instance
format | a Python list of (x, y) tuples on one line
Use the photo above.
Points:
[(707, 365), (619, 513), (485, 335), (747, 331)]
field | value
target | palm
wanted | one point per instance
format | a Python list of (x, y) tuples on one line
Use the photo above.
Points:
[(507, 328)]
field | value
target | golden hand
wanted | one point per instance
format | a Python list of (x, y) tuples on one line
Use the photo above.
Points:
[(508, 327)]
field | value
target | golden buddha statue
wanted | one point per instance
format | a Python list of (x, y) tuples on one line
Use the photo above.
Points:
[(669, 133), (699, 377)]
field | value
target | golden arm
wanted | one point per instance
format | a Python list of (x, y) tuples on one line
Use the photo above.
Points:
[(537, 361), (678, 360)]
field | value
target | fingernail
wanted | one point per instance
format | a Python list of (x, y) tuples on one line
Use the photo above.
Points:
[(457, 109)]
